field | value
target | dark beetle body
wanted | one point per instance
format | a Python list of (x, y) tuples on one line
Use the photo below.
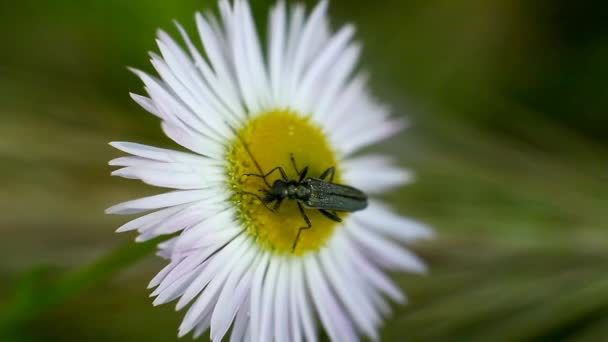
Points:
[(308, 192), (316, 193), (332, 196)]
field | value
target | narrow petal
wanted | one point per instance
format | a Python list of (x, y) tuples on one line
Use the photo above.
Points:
[(193, 141), (257, 287), (241, 323), (268, 295), (386, 252), (276, 48), (155, 153), (352, 302), (333, 318), (233, 294), (304, 305), (374, 174), (147, 104), (373, 274), (214, 276), (322, 63), (223, 88), (157, 201), (310, 35), (294, 309), (253, 51), (382, 219), (281, 303), (150, 219)]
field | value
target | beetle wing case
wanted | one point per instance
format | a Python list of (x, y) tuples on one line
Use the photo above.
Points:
[(332, 196)]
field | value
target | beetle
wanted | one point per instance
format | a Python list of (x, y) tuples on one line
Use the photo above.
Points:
[(308, 192)]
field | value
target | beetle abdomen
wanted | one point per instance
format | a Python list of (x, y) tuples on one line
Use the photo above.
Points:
[(331, 196)]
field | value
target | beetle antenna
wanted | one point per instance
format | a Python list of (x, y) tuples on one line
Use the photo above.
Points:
[(257, 165)]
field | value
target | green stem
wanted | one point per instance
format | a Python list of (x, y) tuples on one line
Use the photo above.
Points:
[(30, 299)]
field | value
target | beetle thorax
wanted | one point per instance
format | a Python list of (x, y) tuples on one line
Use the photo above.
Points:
[(296, 191)]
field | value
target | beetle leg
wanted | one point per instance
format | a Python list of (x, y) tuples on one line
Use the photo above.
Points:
[(308, 226), (331, 215), (293, 162), (329, 172), (303, 174), (256, 175), (277, 204), (258, 197), (281, 170), (283, 174)]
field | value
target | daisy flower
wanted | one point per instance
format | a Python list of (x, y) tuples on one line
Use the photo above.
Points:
[(242, 107)]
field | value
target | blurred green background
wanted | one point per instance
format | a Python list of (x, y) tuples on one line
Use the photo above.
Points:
[(509, 143)]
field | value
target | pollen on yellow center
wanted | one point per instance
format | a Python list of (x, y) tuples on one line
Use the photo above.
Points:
[(271, 138)]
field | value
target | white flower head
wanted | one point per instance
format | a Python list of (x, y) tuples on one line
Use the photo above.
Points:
[(242, 109)]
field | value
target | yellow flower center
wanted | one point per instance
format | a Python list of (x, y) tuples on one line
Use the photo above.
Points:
[(271, 138)]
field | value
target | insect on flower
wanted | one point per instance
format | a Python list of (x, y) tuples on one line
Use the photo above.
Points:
[(308, 192), (258, 249)]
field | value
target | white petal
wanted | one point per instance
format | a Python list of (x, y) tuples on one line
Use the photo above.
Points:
[(346, 104), (222, 88), (361, 314), (294, 288), (335, 81), (311, 33), (334, 319), (155, 153), (189, 261), (209, 296), (237, 51), (374, 174), (147, 104), (241, 322), (176, 71), (281, 303), (267, 300), (373, 275), (276, 48), (162, 274), (322, 63), (381, 219), (184, 268), (358, 284), (303, 303), (375, 133), (257, 287), (150, 219), (129, 161), (216, 229), (234, 292), (384, 251), (211, 280), (166, 249), (253, 51), (165, 178), (296, 23), (219, 60), (157, 201), (202, 326), (186, 103), (187, 218), (177, 287), (193, 141), (213, 111), (169, 97)]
